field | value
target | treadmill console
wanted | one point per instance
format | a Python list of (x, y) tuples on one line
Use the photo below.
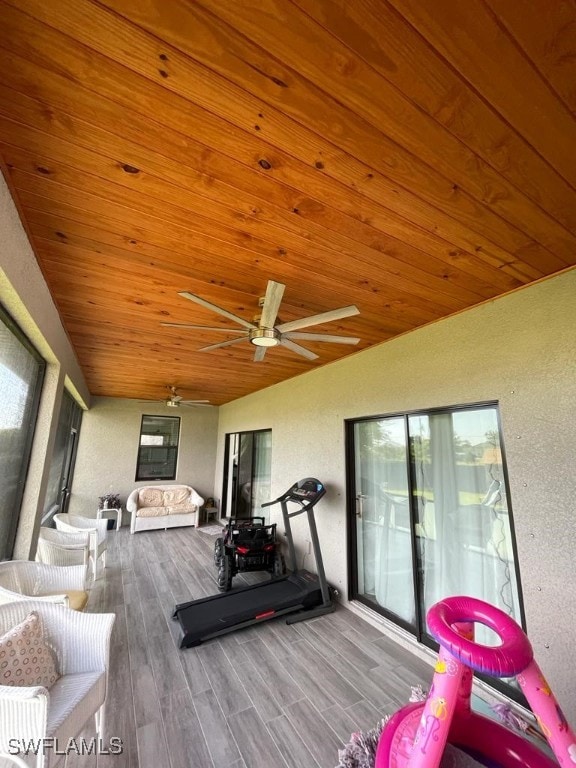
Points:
[(308, 490)]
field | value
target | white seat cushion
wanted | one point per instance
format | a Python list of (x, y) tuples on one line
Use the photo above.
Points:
[(182, 509), (152, 512)]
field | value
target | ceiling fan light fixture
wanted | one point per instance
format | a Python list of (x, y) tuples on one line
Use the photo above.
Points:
[(264, 337)]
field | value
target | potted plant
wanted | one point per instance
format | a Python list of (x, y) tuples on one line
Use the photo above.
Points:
[(110, 501)]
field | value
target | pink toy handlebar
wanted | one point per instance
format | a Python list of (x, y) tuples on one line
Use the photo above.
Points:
[(506, 660), (514, 657)]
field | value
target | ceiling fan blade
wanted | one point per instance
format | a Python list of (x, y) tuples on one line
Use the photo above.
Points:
[(204, 328), (259, 354), (197, 403), (322, 337), (298, 349), (214, 308), (323, 317), (272, 301), (222, 344)]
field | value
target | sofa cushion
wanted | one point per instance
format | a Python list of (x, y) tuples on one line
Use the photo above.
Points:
[(182, 509), (152, 511), (150, 497), (25, 657), (176, 496)]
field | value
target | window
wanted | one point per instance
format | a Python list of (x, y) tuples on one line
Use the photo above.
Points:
[(430, 514), (21, 376), (158, 448)]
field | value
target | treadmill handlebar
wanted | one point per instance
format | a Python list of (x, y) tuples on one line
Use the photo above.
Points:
[(306, 492)]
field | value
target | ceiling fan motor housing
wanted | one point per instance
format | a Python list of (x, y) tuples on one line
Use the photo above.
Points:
[(264, 337)]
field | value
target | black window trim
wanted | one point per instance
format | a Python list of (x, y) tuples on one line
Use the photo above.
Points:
[(138, 478)]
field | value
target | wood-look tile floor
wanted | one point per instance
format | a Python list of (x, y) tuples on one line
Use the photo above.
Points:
[(272, 696)]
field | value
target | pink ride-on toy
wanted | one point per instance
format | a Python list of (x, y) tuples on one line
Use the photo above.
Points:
[(416, 736)]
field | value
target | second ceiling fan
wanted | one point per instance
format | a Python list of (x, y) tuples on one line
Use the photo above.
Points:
[(264, 333)]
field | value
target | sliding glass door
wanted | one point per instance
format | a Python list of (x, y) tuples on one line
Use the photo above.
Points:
[(63, 458), (21, 376), (381, 522), (429, 513), (248, 457)]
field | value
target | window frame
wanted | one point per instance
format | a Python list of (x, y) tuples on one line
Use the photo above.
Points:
[(140, 477)]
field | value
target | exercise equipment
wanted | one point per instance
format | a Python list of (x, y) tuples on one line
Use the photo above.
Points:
[(417, 735), (301, 594)]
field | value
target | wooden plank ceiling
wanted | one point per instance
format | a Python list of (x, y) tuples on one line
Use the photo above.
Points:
[(412, 157)]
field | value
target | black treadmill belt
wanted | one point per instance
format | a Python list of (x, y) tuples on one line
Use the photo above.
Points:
[(210, 616), (259, 599)]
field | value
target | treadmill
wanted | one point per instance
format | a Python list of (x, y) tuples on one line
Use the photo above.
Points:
[(301, 594)]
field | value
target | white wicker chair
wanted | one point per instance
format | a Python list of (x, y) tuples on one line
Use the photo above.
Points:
[(98, 530), (22, 579), (81, 642), (60, 548)]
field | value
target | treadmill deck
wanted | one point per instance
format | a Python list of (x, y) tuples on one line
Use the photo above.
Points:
[(215, 615)]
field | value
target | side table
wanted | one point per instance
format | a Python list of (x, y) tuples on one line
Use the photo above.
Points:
[(210, 513), (106, 512)]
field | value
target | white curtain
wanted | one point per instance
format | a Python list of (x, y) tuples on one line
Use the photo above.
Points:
[(466, 551), (383, 525)]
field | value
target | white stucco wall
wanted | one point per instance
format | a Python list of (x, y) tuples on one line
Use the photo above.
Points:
[(519, 350), (108, 450)]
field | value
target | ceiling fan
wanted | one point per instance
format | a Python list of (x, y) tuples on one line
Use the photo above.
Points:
[(264, 332), (174, 400)]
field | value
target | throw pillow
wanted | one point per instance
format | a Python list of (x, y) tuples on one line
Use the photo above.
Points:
[(25, 657), (150, 497)]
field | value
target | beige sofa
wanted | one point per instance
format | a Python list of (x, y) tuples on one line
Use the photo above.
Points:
[(163, 506)]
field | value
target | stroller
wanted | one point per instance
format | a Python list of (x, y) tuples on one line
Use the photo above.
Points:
[(247, 545)]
